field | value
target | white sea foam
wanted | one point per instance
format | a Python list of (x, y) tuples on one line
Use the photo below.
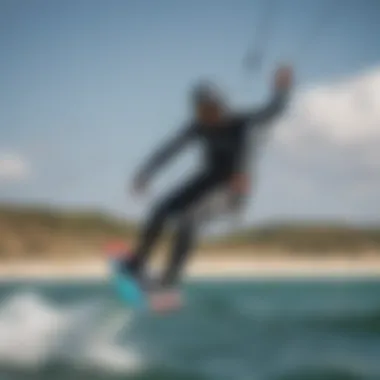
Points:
[(34, 332)]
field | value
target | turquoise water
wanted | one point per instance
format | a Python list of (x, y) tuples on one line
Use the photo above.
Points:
[(238, 330)]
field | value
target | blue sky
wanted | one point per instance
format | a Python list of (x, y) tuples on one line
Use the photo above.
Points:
[(88, 88)]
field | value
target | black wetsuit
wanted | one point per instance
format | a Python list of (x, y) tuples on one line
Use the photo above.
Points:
[(224, 149)]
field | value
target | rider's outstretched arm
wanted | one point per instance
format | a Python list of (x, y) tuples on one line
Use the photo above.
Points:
[(168, 150), (283, 83), (273, 109)]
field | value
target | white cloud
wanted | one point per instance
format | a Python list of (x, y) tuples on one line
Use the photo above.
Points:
[(336, 127), (330, 141), (13, 167), (346, 113)]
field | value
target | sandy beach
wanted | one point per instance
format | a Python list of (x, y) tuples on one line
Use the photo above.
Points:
[(206, 267)]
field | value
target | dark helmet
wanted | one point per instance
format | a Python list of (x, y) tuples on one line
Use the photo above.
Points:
[(207, 93)]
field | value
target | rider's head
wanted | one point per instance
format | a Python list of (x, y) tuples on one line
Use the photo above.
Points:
[(208, 103)]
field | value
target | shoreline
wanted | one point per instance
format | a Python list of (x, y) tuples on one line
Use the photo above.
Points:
[(216, 267)]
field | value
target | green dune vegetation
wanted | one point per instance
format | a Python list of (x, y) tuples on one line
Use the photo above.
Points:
[(306, 238), (42, 231), (28, 232)]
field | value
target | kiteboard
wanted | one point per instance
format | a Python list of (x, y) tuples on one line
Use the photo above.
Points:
[(131, 291)]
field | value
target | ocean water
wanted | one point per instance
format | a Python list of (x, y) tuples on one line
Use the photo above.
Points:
[(229, 329)]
